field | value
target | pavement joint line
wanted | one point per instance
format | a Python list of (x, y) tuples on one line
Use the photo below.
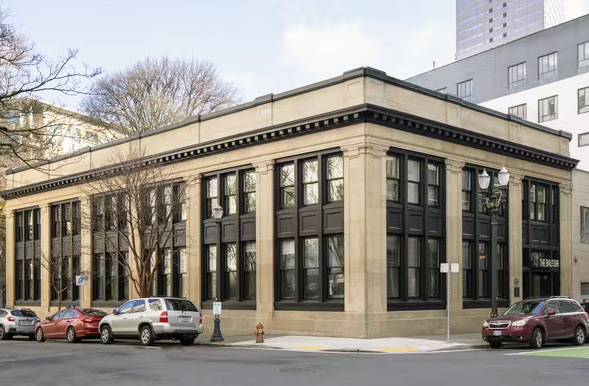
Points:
[(310, 348), (400, 349), (543, 351)]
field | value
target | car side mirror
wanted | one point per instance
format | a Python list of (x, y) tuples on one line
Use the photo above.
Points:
[(48, 318), (551, 312), (115, 311)]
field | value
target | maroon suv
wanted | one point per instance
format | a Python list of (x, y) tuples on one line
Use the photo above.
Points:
[(536, 321)]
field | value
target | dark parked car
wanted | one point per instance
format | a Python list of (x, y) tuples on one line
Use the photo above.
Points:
[(536, 321), (72, 324)]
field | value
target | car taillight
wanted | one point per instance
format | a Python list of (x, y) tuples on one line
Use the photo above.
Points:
[(200, 320), (11, 319), (164, 317)]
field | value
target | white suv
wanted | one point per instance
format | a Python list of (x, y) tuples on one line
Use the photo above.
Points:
[(151, 319)]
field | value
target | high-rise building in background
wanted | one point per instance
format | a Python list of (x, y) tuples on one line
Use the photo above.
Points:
[(484, 24)]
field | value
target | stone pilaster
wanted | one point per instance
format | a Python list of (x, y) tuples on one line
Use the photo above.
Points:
[(265, 239), (10, 257), (514, 206), (193, 239), (566, 239), (454, 228), (45, 256), (365, 230)]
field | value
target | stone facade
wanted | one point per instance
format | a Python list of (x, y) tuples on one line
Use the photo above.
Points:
[(364, 116)]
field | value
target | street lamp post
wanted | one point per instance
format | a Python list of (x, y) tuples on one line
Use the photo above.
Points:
[(494, 205), (217, 335)]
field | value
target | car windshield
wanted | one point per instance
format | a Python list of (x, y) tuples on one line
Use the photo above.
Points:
[(24, 313), (180, 305), (93, 312), (525, 308)]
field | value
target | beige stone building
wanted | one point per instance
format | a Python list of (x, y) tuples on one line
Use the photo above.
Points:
[(340, 201)]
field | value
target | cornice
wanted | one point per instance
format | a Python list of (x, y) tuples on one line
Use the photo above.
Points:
[(365, 113)]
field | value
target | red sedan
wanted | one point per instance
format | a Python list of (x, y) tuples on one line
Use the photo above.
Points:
[(72, 324)]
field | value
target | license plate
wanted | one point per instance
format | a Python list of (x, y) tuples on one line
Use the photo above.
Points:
[(184, 319), (26, 322), (497, 333)]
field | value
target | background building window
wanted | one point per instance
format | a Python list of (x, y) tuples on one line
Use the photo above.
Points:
[(583, 139), (310, 182), (433, 184), (464, 90), (583, 57), (335, 179), (537, 202), (249, 191), (287, 187), (212, 194), (393, 179), (413, 181), (230, 194), (583, 103), (548, 66), (520, 111), (516, 76), (548, 109)]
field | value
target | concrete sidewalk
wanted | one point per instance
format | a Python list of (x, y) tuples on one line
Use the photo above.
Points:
[(381, 345)]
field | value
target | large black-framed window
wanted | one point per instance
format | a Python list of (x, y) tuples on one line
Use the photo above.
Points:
[(415, 230), (476, 242), (110, 251), (28, 259), (541, 238), (309, 232), (229, 244), (583, 57), (516, 76), (548, 66), (65, 260)]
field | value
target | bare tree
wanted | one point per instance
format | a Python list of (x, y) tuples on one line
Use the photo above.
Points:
[(134, 201), (26, 76), (156, 92), (62, 274)]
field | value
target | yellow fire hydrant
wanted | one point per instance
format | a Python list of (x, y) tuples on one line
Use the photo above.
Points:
[(259, 333)]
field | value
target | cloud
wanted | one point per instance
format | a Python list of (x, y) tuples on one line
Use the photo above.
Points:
[(324, 51)]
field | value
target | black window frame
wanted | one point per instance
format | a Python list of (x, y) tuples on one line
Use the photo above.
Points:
[(225, 282), (28, 257), (583, 57), (476, 247), (323, 222), (66, 251), (410, 223)]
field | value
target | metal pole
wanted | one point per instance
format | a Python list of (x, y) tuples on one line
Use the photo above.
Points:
[(493, 262), (448, 296)]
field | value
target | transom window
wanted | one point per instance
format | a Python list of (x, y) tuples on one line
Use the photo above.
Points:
[(520, 111), (548, 66), (548, 109), (583, 57), (516, 76), (583, 103)]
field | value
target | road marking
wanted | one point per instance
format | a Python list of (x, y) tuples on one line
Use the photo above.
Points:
[(310, 348), (400, 349), (553, 352)]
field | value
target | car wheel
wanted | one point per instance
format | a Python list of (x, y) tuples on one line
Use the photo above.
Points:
[(146, 336), (70, 336), (3, 334), (106, 335), (187, 340), (580, 336), (495, 344), (40, 335), (536, 340)]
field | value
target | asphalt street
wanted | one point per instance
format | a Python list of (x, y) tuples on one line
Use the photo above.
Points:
[(58, 363)]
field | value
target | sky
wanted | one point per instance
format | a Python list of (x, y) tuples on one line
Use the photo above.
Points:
[(264, 46)]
